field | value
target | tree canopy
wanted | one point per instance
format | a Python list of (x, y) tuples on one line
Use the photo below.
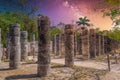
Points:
[(26, 23)]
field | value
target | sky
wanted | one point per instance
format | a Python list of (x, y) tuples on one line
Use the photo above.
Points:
[(66, 11)]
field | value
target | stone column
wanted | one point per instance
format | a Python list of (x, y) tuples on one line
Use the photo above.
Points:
[(79, 44), (69, 45), (24, 45), (92, 43), (75, 44), (15, 50), (8, 46), (107, 44), (102, 44), (0, 47), (29, 53), (43, 46), (54, 44), (58, 44), (85, 42), (36, 46), (97, 44), (32, 45), (62, 45)]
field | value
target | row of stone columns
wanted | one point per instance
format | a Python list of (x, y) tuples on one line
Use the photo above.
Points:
[(27, 48), (89, 43), (18, 46), (57, 44), (95, 44)]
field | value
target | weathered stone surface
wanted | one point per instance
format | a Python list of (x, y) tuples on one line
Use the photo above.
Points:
[(58, 44), (97, 44), (0, 46), (32, 45), (85, 42), (3, 52), (54, 44), (107, 42), (102, 44), (43, 46), (63, 45), (92, 43), (29, 49), (79, 44), (8, 46), (36, 46), (15, 49), (24, 45), (75, 44), (69, 45)]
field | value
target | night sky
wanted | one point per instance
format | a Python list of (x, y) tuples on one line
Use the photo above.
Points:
[(65, 11)]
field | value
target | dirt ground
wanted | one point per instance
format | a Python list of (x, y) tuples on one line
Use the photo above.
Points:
[(83, 70), (28, 71)]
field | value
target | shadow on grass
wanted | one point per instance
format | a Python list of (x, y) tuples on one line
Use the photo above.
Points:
[(15, 77)]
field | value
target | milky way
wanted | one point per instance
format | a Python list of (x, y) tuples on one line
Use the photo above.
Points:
[(64, 10)]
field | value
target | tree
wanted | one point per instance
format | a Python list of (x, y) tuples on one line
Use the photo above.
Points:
[(19, 6), (113, 11), (113, 3), (114, 14), (54, 31), (83, 21), (26, 22)]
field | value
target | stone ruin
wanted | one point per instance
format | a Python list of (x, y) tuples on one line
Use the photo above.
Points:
[(68, 44)]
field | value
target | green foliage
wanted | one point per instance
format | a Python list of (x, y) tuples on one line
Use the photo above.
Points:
[(114, 11), (54, 31), (26, 23), (113, 3), (114, 14), (114, 33)]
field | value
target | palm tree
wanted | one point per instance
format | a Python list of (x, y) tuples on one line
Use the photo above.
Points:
[(83, 21)]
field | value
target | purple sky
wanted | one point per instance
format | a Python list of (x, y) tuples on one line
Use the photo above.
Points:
[(65, 11), (68, 10)]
